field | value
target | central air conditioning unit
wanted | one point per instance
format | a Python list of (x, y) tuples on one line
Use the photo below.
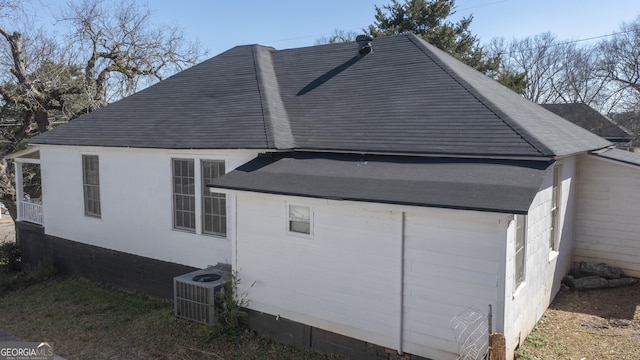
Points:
[(194, 294)]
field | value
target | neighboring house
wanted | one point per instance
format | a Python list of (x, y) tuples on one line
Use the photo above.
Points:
[(366, 198), (587, 117)]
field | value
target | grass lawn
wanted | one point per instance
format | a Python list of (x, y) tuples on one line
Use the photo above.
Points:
[(599, 324), (86, 320)]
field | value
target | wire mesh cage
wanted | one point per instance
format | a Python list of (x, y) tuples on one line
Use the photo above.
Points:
[(471, 330)]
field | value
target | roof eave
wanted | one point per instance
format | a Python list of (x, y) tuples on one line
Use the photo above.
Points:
[(217, 188)]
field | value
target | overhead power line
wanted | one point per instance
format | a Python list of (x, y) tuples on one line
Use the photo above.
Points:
[(483, 5), (595, 37), (567, 42)]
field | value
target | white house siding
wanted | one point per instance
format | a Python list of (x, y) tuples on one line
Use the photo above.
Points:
[(346, 279), (136, 202), (452, 262), (607, 226), (544, 268)]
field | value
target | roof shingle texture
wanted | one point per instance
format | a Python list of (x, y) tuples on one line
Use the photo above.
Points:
[(472, 184), (215, 104), (588, 118), (406, 97), (623, 156)]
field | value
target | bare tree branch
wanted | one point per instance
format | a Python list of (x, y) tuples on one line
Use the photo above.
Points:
[(110, 50)]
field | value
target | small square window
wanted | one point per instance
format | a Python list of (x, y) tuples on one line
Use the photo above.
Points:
[(300, 219)]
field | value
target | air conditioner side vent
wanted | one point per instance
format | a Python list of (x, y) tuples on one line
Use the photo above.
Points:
[(194, 294)]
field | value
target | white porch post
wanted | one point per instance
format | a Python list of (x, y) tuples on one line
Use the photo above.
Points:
[(31, 209), (19, 189)]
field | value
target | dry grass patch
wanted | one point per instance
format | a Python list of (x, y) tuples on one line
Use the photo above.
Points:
[(89, 321), (595, 324)]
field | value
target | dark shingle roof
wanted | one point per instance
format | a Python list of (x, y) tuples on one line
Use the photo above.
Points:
[(405, 97), (483, 185), (588, 118), (215, 104), (623, 156)]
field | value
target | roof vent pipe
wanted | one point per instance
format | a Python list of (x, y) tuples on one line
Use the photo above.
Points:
[(364, 43)]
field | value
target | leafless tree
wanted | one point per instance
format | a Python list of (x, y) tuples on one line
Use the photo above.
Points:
[(581, 81), (558, 71), (619, 63), (108, 50), (338, 36), (539, 57)]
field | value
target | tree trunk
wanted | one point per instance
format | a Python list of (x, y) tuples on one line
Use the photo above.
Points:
[(10, 204), (7, 188), (42, 120)]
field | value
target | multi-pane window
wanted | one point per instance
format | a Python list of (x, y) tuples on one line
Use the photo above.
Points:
[(300, 219), (556, 199), (91, 185), (184, 195), (520, 249), (214, 205), (195, 208)]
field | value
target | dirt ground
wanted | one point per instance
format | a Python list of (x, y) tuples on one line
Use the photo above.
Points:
[(7, 231), (586, 325)]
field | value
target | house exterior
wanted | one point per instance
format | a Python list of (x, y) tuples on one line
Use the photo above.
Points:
[(587, 117), (367, 193)]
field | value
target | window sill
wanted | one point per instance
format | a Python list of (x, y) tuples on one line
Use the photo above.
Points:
[(518, 290), (186, 231), (300, 235), (215, 236), (553, 255), (193, 232)]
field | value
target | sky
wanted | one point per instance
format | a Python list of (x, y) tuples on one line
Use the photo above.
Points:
[(222, 24)]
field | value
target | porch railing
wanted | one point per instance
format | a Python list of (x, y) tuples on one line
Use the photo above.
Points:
[(31, 210)]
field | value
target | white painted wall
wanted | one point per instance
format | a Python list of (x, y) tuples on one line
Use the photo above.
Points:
[(544, 268), (452, 262), (136, 202), (607, 226), (346, 279)]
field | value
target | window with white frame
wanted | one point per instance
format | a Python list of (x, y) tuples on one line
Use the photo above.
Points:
[(300, 219), (214, 205), (520, 250), (91, 185), (184, 195), (195, 208), (556, 200)]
